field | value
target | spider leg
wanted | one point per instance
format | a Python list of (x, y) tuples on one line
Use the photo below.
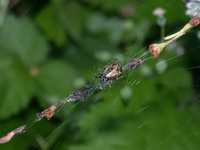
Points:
[(99, 75), (119, 77)]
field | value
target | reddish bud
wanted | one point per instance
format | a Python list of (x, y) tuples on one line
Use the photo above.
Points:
[(194, 21), (155, 50)]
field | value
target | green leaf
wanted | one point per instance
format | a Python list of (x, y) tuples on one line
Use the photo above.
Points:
[(111, 5), (19, 36), (48, 21), (16, 86), (142, 8), (22, 47), (74, 18)]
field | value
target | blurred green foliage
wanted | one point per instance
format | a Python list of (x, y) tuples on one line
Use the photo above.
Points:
[(50, 48)]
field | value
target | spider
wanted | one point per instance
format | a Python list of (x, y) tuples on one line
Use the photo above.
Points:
[(111, 72)]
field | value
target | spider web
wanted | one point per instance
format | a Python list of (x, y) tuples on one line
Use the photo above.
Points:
[(154, 106)]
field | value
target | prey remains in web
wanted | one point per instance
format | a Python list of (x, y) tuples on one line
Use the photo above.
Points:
[(111, 72)]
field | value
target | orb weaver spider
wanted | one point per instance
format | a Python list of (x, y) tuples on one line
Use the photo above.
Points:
[(111, 72)]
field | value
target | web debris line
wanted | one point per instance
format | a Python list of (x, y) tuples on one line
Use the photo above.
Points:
[(59, 126), (11, 134), (110, 73)]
